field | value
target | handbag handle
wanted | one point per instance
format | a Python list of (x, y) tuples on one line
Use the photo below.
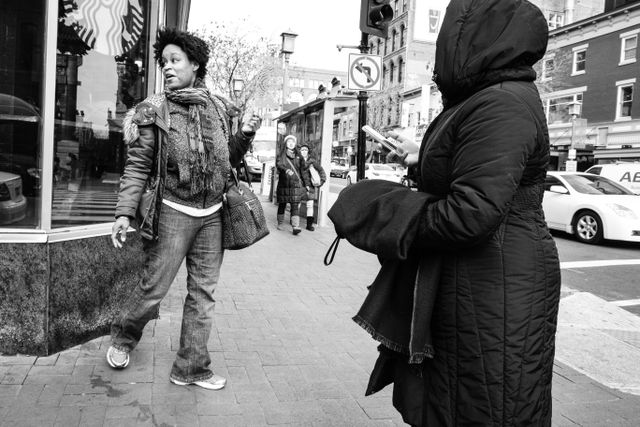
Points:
[(236, 180)]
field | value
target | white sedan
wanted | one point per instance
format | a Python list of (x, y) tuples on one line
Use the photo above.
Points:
[(591, 207), (376, 171)]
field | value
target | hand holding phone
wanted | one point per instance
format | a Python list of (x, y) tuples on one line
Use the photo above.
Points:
[(406, 152), (378, 137)]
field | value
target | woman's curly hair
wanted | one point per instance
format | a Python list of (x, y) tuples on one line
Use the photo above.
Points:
[(195, 48)]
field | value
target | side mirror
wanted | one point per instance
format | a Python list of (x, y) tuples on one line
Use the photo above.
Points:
[(558, 189)]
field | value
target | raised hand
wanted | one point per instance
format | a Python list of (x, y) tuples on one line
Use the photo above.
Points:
[(252, 125)]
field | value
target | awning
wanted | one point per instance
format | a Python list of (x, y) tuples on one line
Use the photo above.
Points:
[(615, 153)]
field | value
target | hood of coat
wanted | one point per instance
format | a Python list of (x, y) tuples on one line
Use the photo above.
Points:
[(483, 42)]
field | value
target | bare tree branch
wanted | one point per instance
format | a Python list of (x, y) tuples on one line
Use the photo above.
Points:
[(238, 53)]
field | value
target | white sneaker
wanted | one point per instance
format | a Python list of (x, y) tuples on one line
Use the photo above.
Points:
[(117, 359), (216, 382)]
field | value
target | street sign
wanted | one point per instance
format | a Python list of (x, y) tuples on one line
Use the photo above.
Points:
[(365, 72), (571, 166), (571, 155)]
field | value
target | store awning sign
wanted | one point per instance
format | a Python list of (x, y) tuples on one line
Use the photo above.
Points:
[(365, 72)]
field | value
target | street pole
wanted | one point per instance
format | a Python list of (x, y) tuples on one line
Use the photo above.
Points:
[(285, 67), (362, 117)]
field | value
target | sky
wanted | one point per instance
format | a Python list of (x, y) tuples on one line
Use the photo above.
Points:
[(318, 32)]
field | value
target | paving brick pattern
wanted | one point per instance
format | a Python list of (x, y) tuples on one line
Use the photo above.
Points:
[(284, 338)]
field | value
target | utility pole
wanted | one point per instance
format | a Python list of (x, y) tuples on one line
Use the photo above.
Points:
[(363, 96), (375, 16)]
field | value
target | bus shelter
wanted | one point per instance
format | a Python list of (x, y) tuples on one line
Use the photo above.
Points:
[(319, 124)]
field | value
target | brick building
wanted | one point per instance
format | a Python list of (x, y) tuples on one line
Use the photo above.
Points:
[(592, 63)]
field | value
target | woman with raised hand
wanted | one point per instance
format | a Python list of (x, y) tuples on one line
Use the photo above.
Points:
[(183, 137)]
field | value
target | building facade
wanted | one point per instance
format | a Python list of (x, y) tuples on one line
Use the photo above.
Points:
[(407, 55), (70, 70), (409, 100), (592, 64)]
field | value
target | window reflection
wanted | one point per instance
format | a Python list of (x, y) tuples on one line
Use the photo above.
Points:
[(101, 68), (21, 65)]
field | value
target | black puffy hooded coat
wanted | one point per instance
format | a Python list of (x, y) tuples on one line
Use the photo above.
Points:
[(495, 313)]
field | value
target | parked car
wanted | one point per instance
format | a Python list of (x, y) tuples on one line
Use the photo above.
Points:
[(13, 205), (591, 207), (26, 167), (339, 168), (254, 166), (376, 171), (626, 174)]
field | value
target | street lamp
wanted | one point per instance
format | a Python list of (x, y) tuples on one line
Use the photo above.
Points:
[(288, 42), (575, 108), (238, 86)]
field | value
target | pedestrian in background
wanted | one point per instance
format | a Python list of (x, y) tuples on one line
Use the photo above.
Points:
[(314, 176), (497, 278), (197, 152), (73, 165), (323, 92), (291, 186)]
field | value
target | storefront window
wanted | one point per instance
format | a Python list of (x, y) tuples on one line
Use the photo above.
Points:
[(558, 108), (21, 91), (101, 67)]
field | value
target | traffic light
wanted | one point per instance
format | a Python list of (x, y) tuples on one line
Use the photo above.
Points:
[(375, 16)]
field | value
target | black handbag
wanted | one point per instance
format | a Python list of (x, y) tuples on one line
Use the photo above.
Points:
[(146, 213), (243, 220)]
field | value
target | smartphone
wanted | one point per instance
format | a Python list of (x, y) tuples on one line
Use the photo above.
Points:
[(387, 143)]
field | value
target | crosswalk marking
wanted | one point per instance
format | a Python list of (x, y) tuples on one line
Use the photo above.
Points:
[(626, 302), (81, 207), (601, 263)]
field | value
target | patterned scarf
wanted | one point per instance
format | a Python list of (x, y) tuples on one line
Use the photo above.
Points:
[(201, 134)]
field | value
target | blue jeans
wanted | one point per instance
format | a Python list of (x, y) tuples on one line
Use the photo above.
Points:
[(180, 236)]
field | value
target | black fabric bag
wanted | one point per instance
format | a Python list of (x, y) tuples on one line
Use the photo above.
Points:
[(147, 206), (145, 221), (379, 216), (243, 220)]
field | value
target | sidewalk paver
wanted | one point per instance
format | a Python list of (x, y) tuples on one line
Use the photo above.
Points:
[(284, 338)]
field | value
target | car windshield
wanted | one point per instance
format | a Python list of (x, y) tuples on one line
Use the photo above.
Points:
[(381, 167), (593, 184)]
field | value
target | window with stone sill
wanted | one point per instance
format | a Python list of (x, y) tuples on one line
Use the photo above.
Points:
[(579, 62), (625, 102), (628, 49), (547, 69)]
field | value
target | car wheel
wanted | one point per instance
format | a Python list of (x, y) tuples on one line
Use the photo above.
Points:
[(588, 227)]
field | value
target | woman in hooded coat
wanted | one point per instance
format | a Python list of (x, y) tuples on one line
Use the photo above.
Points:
[(485, 158)]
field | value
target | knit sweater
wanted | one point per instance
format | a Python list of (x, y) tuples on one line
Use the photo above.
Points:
[(178, 147)]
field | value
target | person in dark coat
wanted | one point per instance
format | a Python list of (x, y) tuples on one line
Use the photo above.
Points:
[(313, 189), (291, 184), (484, 158)]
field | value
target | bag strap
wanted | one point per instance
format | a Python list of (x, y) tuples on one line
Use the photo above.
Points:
[(331, 253), (294, 168), (247, 174)]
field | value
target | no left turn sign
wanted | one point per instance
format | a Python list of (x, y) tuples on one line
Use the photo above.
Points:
[(365, 72)]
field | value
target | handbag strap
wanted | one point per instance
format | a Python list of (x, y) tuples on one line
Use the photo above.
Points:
[(294, 168)]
